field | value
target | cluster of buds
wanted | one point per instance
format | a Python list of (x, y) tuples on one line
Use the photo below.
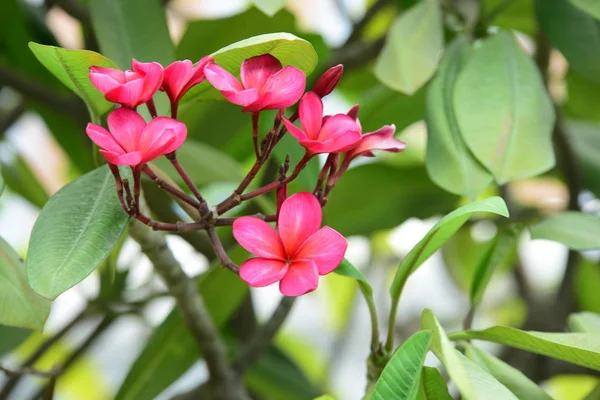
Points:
[(299, 250)]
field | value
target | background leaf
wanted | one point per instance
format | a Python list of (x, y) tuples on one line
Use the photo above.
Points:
[(503, 110), (591, 7), (574, 229), (75, 232), (401, 376), (20, 306), (585, 322), (433, 386), (412, 49), (585, 141)]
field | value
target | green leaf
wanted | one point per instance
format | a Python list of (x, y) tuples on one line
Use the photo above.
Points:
[(324, 397), (11, 338), (20, 306), (512, 378), (19, 178), (172, 350), (401, 376), (499, 254), (269, 7), (438, 235), (379, 196), (583, 100), (204, 164), (433, 386), (584, 138), (76, 230), (500, 92), (585, 322), (71, 67), (574, 229), (592, 7), (577, 348), (587, 280), (573, 32), (472, 381), (129, 29), (516, 14), (287, 48), (412, 49), (449, 162), (347, 269)]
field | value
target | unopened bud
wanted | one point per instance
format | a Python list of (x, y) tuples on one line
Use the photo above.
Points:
[(328, 81), (353, 113), (282, 194)]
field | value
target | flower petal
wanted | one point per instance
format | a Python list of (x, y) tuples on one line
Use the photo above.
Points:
[(106, 79), (342, 143), (197, 75), (299, 218), (256, 70), (381, 139), (294, 130), (221, 79), (283, 89), (311, 114), (161, 136), (258, 237), (152, 81), (302, 277), (242, 98), (103, 138), (175, 78), (134, 158), (337, 125), (326, 248), (128, 94), (126, 126), (259, 272)]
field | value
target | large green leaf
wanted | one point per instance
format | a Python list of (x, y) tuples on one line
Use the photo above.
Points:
[(574, 229), (586, 322), (450, 163), (438, 235), (71, 67), (499, 254), (412, 49), (433, 386), (75, 232), (19, 178), (20, 306), (472, 381), (172, 350), (129, 29), (204, 164), (287, 48), (573, 32), (378, 196), (577, 348), (504, 112), (401, 376), (512, 378), (591, 7)]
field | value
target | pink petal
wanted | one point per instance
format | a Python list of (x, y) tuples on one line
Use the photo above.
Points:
[(152, 81), (294, 130), (299, 218), (256, 70), (242, 98), (353, 112), (128, 94), (326, 248), (342, 143), (198, 75), (258, 237), (337, 125), (221, 79), (176, 77), (106, 79), (132, 159), (302, 277), (126, 126), (381, 139), (161, 136), (284, 88), (311, 114), (259, 272), (103, 138)]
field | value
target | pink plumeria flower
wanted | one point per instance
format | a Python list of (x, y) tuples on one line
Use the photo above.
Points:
[(181, 76), (130, 88), (130, 141), (333, 134), (265, 84), (296, 253), (381, 139)]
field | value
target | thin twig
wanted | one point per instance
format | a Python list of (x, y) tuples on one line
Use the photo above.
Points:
[(220, 251)]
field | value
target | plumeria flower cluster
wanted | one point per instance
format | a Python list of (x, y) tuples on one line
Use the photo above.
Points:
[(298, 250)]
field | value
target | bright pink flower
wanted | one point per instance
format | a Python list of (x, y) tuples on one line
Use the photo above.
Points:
[(381, 139), (130, 88), (295, 254), (180, 76), (333, 134), (130, 141), (265, 85)]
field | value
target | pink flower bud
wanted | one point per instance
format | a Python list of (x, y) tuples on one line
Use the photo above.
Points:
[(328, 81), (296, 253), (181, 76)]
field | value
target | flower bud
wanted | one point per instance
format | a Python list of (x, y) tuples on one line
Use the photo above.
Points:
[(328, 81)]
